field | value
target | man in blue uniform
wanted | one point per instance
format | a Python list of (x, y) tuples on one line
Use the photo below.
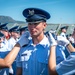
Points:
[(33, 58)]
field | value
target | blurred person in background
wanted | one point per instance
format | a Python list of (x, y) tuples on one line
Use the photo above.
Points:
[(4, 30), (66, 67), (3, 52), (60, 55), (23, 29), (7, 61), (63, 31), (15, 34)]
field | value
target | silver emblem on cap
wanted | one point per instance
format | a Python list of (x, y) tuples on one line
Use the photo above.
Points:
[(31, 12)]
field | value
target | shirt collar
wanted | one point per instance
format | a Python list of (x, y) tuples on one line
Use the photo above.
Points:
[(44, 42)]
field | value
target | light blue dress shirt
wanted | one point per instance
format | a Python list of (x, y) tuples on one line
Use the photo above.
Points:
[(34, 59)]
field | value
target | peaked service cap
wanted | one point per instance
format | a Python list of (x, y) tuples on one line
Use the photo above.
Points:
[(35, 14)]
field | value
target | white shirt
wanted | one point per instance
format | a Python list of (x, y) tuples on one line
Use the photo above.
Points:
[(11, 43), (63, 34)]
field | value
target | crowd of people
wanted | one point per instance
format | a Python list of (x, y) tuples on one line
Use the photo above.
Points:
[(31, 51), (8, 39)]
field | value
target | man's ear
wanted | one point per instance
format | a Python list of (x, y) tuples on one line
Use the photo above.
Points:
[(45, 24)]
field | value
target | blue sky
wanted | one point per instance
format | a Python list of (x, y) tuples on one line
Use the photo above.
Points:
[(62, 11)]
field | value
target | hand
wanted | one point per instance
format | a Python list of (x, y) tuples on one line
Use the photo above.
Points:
[(62, 41), (24, 39), (51, 39)]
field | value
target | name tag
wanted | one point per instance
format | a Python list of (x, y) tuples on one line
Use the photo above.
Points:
[(23, 54)]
